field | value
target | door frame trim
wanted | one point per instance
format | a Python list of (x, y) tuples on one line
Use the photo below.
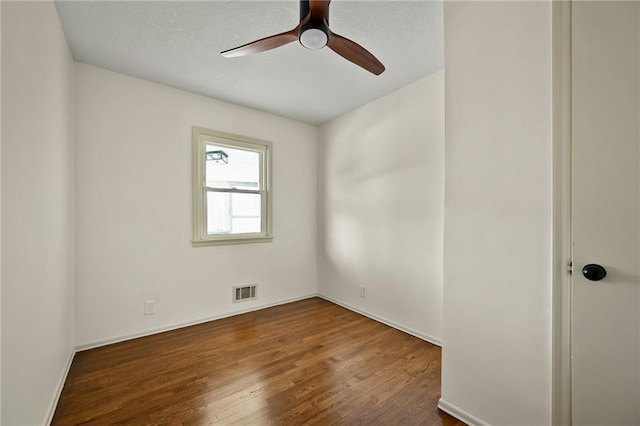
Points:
[(562, 254)]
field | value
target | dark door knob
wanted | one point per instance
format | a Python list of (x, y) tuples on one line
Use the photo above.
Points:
[(594, 272)]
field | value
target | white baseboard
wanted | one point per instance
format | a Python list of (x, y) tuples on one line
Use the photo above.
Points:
[(56, 396), (383, 320), (459, 414), (149, 332)]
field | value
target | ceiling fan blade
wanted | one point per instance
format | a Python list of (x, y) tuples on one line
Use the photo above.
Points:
[(319, 9), (263, 44), (355, 53)]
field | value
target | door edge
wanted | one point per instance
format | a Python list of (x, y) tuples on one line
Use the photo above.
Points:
[(561, 280)]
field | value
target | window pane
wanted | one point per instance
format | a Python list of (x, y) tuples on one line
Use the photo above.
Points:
[(232, 168), (218, 218), (245, 225), (246, 205), (230, 213)]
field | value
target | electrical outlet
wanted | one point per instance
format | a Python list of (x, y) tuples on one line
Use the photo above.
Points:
[(361, 291), (149, 307)]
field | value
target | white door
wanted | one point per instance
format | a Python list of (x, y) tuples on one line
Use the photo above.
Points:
[(606, 214)]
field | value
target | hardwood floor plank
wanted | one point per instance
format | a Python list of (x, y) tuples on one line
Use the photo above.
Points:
[(307, 362)]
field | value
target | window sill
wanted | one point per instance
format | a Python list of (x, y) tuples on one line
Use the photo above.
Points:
[(233, 240)]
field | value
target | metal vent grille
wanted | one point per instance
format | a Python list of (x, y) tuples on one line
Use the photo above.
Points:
[(245, 292)]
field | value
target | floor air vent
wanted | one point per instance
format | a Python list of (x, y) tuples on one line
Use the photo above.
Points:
[(245, 292)]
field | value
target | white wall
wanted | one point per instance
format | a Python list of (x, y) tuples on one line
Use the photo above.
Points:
[(37, 210), (498, 212), (381, 192), (0, 218), (134, 210)]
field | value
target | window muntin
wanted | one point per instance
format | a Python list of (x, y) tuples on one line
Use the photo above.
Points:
[(232, 194)]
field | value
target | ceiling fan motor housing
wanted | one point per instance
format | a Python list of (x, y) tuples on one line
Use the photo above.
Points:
[(314, 34)]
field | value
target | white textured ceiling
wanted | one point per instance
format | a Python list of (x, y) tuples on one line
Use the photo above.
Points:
[(177, 43)]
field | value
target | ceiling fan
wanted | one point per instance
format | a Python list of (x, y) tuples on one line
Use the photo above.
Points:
[(313, 33)]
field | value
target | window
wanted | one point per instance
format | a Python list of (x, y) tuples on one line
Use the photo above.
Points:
[(231, 189)]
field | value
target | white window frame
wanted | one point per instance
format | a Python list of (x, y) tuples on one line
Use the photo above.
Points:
[(202, 137)]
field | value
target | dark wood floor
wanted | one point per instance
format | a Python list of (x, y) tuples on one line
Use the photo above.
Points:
[(308, 362)]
